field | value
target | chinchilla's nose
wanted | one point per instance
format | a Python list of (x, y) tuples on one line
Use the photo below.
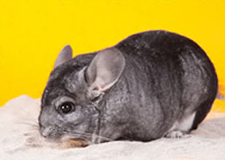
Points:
[(46, 131)]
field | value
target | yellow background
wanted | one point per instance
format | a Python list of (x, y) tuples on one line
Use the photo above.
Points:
[(32, 32)]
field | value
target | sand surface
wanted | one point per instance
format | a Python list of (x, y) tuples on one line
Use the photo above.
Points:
[(19, 139)]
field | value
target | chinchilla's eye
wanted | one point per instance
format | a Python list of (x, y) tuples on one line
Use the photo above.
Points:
[(66, 107)]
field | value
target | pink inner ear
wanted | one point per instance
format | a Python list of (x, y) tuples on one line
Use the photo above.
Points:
[(99, 84), (105, 69)]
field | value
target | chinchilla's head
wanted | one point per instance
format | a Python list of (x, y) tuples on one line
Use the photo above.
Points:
[(69, 106)]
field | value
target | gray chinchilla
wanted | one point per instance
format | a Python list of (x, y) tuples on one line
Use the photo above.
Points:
[(150, 85)]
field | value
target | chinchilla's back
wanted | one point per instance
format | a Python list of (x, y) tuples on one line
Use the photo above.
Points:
[(166, 78)]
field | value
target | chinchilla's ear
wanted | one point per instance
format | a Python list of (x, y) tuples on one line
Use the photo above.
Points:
[(105, 70), (64, 56)]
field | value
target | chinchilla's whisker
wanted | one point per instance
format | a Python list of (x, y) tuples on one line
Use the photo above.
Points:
[(88, 137), (91, 135), (36, 127), (33, 124)]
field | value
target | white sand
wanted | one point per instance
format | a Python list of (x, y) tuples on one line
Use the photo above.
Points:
[(19, 139)]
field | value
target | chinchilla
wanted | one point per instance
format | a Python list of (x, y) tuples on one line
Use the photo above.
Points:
[(150, 85)]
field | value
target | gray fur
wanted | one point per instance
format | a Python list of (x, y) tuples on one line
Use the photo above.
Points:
[(137, 90), (65, 55)]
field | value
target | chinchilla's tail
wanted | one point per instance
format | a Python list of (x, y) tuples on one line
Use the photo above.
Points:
[(221, 94)]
